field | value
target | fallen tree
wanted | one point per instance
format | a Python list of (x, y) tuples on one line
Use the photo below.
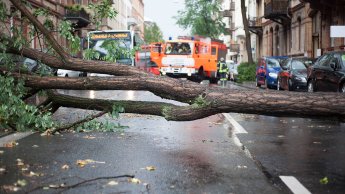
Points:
[(200, 100)]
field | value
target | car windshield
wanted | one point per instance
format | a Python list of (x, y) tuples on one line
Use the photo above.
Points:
[(298, 65), (178, 48), (272, 63)]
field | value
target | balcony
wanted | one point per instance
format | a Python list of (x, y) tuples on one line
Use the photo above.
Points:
[(234, 48), (227, 14), (277, 11), (232, 6), (322, 5), (78, 17), (255, 25)]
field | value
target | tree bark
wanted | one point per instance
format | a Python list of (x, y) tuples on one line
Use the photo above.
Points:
[(247, 33), (202, 101)]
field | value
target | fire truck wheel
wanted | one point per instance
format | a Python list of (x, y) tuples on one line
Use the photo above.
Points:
[(201, 74)]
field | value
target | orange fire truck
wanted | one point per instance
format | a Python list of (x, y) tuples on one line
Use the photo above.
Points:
[(189, 56)]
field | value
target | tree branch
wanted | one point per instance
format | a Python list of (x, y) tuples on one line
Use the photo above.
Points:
[(224, 101), (181, 90), (20, 6), (65, 187), (87, 119)]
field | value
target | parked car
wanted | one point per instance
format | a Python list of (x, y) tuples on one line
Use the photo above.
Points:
[(294, 74), (28, 64), (69, 73), (267, 71), (328, 73)]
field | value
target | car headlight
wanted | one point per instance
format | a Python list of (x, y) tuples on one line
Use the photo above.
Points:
[(273, 75)]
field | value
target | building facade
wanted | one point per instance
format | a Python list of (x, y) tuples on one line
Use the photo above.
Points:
[(235, 38), (81, 19), (297, 27)]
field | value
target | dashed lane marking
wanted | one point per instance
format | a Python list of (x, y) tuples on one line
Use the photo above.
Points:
[(294, 185), (238, 129), (13, 137)]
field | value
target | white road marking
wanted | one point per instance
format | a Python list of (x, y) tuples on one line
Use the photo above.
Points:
[(294, 185), (13, 137), (238, 129)]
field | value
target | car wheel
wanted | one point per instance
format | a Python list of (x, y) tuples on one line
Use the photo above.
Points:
[(266, 85), (290, 85), (342, 89), (256, 82), (311, 86), (66, 75), (278, 84)]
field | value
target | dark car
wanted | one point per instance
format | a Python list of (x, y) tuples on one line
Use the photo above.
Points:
[(328, 73), (267, 71), (294, 73), (27, 64)]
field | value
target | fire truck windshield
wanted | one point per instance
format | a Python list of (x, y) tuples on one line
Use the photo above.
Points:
[(178, 48)]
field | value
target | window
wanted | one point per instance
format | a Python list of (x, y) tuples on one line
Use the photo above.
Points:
[(214, 51), (343, 58), (298, 65), (323, 60), (272, 63)]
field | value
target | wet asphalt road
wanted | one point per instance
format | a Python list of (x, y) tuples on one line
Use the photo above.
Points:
[(308, 149), (189, 157), (200, 156)]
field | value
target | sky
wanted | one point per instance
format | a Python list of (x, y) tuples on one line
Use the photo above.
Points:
[(162, 12)]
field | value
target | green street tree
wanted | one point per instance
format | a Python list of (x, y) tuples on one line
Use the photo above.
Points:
[(202, 17), (200, 100), (246, 30), (153, 33)]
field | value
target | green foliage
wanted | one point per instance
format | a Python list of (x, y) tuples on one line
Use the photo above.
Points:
[(246, 72), (115, 51), (16, 113), (203, 17), (91, 54), (324, 181), (116, 110), (76, 7), (41, 12), (65, 30), (98, 126), (102, 10), (3, 11), (105, 126), (200, 102), (153, 33)]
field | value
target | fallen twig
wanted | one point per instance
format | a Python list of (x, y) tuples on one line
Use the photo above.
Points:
[(65, 187), (87, 119)]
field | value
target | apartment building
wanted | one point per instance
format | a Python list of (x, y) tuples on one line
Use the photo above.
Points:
[(81, 19), (235, 38), (297, 27)]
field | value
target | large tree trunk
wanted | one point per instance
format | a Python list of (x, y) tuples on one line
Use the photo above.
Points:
[(247, 33), (201, 101)]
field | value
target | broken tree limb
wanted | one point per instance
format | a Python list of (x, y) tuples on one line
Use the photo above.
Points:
[(224, 101), (72, 125)]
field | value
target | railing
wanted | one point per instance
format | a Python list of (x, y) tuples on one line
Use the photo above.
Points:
[(227, 13), (234, 47), (81, 17), (274, 7), (254, 21)]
